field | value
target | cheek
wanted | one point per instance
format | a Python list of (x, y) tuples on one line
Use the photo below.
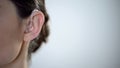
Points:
[(11, 37), (11, 33)]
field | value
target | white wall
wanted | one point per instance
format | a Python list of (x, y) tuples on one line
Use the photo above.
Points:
[(84, 34)]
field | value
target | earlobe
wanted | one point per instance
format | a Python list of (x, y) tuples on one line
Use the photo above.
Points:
[(34, 25)]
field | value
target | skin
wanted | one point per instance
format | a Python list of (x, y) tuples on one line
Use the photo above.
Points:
[(16, 34)]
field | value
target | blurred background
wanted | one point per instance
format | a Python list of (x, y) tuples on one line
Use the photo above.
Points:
[(83, 34)]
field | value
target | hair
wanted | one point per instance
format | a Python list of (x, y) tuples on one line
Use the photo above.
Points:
[(24, 9)]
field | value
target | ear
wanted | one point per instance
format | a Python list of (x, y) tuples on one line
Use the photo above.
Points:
[(34, 25)]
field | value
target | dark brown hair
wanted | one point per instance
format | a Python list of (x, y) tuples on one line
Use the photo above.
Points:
[(24, 9)]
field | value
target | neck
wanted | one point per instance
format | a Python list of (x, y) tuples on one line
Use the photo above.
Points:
[(21, 60)]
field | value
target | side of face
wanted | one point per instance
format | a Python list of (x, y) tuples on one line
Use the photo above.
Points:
[(11, 32), (14, 30)]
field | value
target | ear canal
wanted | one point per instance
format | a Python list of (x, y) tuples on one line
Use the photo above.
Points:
[(29, 27)]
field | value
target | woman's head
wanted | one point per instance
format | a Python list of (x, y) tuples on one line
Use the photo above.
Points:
[(21, 20)]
